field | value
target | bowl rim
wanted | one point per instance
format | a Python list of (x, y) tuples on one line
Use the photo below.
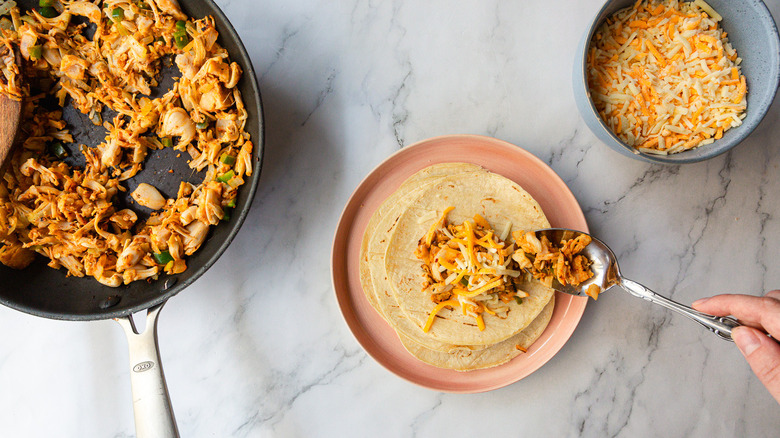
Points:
[(678, 158)]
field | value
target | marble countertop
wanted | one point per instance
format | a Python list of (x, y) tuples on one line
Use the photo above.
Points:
[(257, 346)]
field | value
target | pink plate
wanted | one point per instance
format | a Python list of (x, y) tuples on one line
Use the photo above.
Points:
[(374, 334)]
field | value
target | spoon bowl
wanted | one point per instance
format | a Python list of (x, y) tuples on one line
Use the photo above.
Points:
[(606, 274)]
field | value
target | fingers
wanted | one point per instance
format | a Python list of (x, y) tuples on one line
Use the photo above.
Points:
[(759, 312), (761, 351), (763, 355), (773, 294)]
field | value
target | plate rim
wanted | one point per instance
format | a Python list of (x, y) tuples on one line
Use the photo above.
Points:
[(574, 307)]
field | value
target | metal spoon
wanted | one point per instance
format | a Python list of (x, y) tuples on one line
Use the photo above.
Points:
[(606, 274)]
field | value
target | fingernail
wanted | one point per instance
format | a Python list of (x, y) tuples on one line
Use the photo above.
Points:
[(746, 339), (700, 302)]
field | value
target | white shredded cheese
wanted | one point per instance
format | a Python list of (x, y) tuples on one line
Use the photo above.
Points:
[(505, 231), (427, 217), (450, 278), (666, 65), (708, 9)]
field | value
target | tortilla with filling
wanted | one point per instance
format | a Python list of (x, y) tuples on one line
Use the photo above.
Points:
[(373, 276), (466, 359), (501, 202)]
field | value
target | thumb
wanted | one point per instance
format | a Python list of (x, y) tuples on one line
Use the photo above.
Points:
[(763, 355)]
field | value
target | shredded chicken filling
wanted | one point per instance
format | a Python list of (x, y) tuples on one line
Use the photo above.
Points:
[(548, 261), (68, 214)]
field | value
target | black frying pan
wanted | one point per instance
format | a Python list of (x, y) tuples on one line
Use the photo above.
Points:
[(43, 291)]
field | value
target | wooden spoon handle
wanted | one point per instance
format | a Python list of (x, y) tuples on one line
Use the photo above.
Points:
[(9, 123), (10, 114)]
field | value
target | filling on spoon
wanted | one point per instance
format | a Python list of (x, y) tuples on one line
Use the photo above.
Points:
[(548, 261)]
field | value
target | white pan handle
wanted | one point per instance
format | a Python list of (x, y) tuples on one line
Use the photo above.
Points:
[(151, 403)]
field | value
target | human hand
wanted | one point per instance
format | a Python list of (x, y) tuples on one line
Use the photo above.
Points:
[(762, 313)]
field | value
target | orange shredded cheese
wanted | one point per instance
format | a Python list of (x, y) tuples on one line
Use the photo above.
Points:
[(436, 310), (664, 77), (480, 322), (429, 235), (467, 265)]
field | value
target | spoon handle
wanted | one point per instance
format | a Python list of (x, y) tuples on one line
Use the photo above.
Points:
[(720, 325)]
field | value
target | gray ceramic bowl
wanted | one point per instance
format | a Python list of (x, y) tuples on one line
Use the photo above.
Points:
[(752, 32)]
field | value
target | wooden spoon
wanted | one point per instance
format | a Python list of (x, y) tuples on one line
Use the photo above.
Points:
[(10, 113)]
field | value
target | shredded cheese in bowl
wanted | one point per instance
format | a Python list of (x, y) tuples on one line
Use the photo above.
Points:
[(664, 77), (468, 267)]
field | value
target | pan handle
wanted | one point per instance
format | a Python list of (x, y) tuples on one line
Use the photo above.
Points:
[(151, 403)]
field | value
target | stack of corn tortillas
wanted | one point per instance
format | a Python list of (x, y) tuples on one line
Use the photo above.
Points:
[(392, 277)]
